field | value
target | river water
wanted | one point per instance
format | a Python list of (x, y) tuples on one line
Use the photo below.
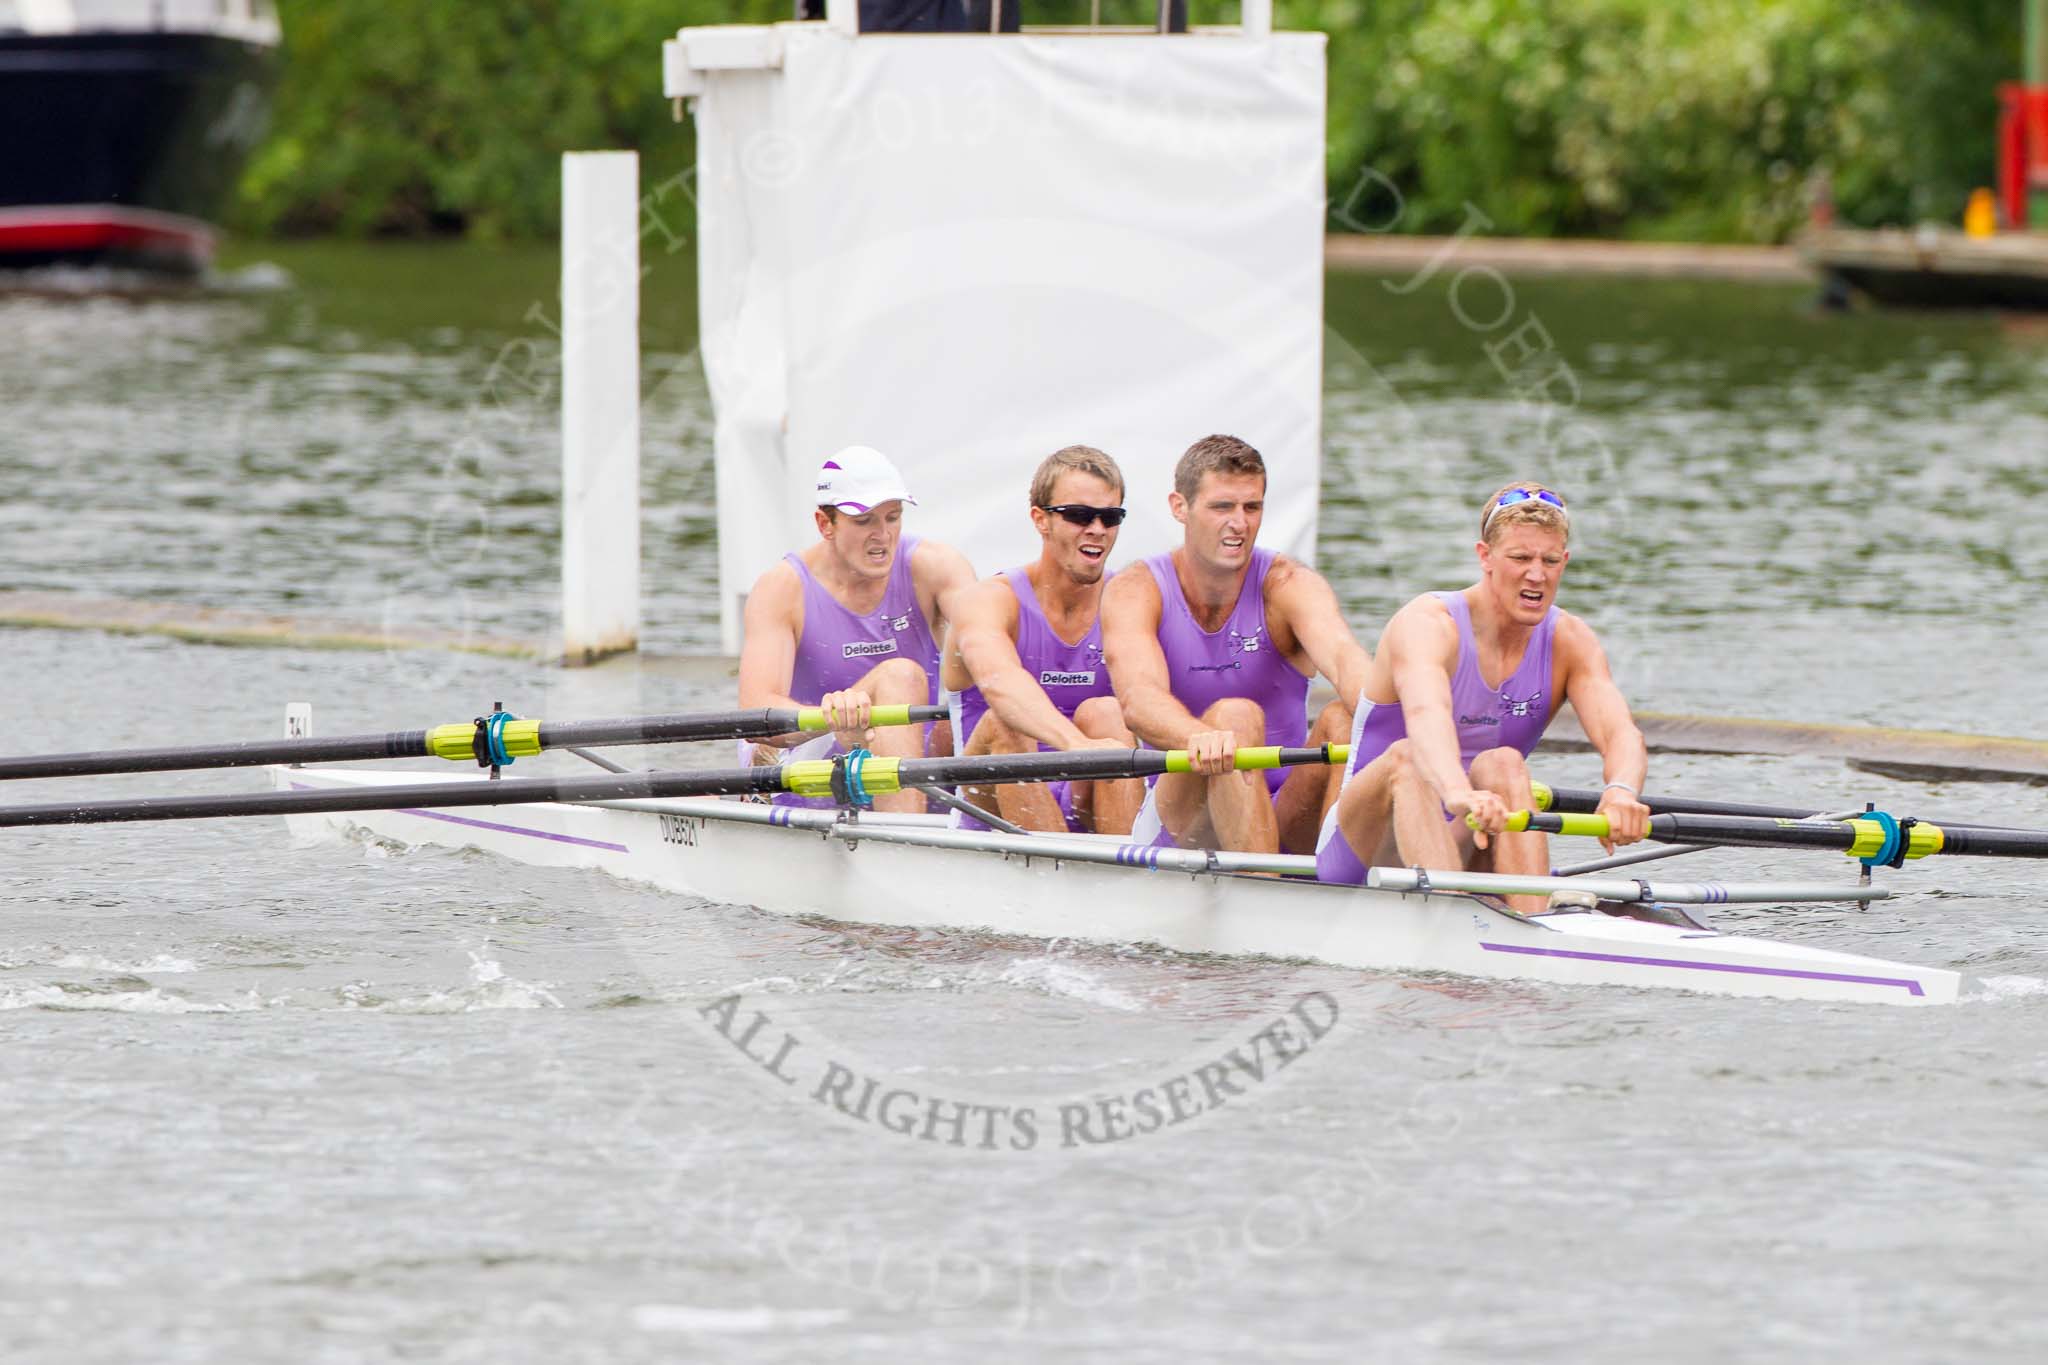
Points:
[(346, 1101)]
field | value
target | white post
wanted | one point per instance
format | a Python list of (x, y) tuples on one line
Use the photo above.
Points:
[(600, 404)]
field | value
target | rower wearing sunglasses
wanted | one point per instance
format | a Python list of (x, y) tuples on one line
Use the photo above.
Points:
[(1024, 655), (851, 622), (1460, 690), (1212, 646)]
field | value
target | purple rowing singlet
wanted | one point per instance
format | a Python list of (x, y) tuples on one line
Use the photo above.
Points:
[(1236, 660), (1070, 674), (1513, 715), (838, 647)]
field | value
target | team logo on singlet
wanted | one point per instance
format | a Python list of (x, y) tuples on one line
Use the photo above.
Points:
[(899, 623), (1241, 642), (867, 649), (1051, 679), (1516, 707)]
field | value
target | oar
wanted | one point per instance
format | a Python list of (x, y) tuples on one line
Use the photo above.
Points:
[(1865, 837), (1584, 801), (461, 742), (850, 777)]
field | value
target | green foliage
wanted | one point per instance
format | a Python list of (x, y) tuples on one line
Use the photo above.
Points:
[(436, 115), (1642, 118), (1647, 118)]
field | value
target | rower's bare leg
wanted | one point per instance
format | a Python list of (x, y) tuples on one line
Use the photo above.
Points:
[(1502, 772), (939, 742), (1230, 810), (1026, 804), (1107, 807), (898, 682), (1309, 789), (1388, 812)]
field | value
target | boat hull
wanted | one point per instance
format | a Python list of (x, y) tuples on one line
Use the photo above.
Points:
[(729, 852), (122, 147)]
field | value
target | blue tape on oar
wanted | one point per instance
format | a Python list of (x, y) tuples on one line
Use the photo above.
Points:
[(847, 784), (494, 737), (1892, 852), (489, 743)]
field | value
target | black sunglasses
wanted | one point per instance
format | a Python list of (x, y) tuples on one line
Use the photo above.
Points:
[(1080, 514)]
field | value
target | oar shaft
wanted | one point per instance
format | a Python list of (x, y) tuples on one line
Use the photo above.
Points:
[(1083, 765), (1737, 831), (755, 724), (523, 738), (1582, 800), (510, 791), (806, 777), (252, 754), (1860, 838)]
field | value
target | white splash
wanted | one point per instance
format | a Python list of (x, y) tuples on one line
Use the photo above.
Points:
[(151, 1001), (1050, 976), (682, 1317), (489, 988), (2008, 988), (161, 965)]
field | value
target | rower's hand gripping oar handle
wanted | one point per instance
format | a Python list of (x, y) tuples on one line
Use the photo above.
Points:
[(812, 718), (1261, 756)]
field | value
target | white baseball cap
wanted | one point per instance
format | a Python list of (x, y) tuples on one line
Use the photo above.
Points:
[(859, 479)]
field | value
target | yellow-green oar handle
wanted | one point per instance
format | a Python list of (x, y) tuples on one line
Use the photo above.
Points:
[(1254, 758), (1585, 826), (813, 717), (457, 742)]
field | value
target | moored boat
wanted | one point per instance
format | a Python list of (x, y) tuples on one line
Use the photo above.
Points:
[(127, 124)]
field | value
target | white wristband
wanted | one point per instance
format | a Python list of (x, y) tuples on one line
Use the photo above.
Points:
[(1624, 786)]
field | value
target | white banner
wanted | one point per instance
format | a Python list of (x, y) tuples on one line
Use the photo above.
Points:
[(969, 252)]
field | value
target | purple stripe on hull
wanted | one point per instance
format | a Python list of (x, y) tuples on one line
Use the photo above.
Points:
[(492, 825), (514, 829), (1911, 986)]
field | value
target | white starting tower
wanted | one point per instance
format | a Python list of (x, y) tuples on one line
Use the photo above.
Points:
[(969, 250)]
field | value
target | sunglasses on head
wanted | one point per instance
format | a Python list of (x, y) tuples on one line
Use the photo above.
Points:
[(1080, 514), (1515, 495)]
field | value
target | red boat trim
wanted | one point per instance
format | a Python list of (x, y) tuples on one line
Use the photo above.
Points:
[(104, 227)]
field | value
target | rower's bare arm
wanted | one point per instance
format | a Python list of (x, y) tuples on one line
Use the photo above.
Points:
[(1603, 712), (1304, 599), (1421, 647), (1137, 665), (941, 574), (985, 633), (768, 651), (1604, 715)]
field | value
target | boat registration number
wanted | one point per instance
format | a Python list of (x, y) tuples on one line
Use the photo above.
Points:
[(681, 829)]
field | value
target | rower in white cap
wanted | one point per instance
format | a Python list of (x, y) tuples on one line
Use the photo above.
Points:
[(853, 621)]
